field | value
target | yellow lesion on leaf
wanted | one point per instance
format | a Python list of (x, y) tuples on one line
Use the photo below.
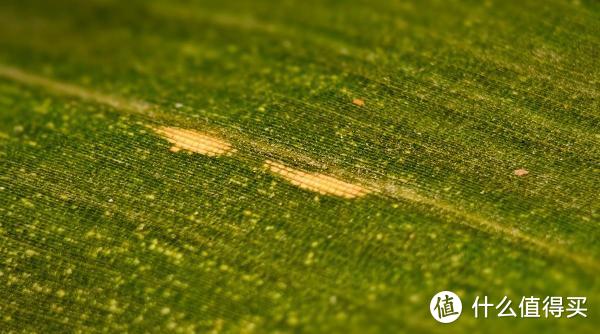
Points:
[(317, 182), (195, 141)]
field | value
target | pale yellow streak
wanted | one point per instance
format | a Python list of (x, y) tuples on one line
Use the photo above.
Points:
[(320, 183), (73, 90), (195, 141), (474, 220)]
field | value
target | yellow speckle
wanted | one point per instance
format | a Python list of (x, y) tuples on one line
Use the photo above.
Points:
[(30, 253), (18, 129), (292, 320), (27, 203), (113, 306), (309, 259)]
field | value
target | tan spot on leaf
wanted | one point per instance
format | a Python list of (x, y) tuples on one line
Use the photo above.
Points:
[(359, 102), (521, 172), (194, 141), (320, 183)]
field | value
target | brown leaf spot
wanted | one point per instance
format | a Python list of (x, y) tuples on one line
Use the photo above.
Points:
[(358, 102), (521, 172)]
